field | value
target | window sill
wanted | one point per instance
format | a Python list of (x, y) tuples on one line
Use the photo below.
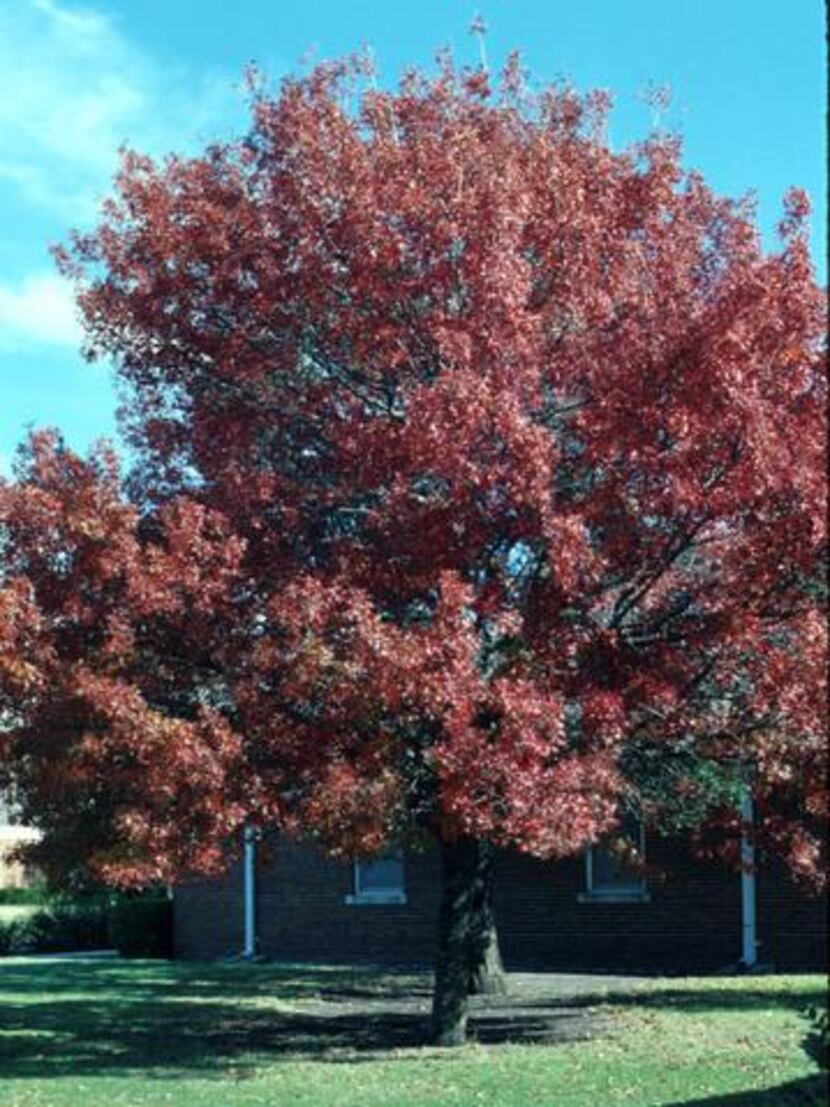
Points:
[(614, 897), (376, 899)]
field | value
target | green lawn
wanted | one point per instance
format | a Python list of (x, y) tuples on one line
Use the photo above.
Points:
[(92, 1032)]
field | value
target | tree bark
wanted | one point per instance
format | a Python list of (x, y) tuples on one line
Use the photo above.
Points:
[(486, 969), (467, 946)]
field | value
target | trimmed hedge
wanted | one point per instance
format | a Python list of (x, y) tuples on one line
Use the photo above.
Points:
[(134, 925), (24, 897), (142, 927), (61, 927)]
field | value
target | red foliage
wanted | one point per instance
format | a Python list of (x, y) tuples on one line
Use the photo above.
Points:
[(119, 754), (471, 454)]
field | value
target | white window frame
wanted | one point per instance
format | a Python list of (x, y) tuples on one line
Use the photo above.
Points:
[(377, 897), (639, 894)]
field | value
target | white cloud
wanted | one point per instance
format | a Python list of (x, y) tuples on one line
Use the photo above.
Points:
[(77, 22), (40, 309), (73, 89)]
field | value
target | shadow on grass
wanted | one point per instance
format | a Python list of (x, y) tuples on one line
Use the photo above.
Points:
[(698, 1001), (810, 1091), (111, 1017), (140, 979), (104, 1018)]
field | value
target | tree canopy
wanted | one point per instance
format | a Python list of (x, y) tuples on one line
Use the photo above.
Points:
[(480, 484)]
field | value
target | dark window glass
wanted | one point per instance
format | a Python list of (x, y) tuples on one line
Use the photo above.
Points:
[(381, 876), (609, 873)]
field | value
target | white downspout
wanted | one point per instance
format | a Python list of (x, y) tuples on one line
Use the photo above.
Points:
[(250, 950), (748, 889)]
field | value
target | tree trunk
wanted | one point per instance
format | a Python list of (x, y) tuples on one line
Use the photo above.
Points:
[(486, 969), (467, 946)]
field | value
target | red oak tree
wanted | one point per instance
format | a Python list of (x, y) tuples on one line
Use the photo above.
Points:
[(479, 486)]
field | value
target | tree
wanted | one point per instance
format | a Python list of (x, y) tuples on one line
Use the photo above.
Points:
[(479, 492), (110, 625)]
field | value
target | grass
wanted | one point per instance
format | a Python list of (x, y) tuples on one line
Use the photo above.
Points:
[(108, 1032)]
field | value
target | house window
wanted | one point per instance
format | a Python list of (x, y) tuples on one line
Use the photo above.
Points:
[(608, 879), (378, 880)]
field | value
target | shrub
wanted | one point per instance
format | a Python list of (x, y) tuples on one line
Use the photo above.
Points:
[(24, 897), (142, 927), (6, 935), (817, 1042), (61, 927), (137, 926)]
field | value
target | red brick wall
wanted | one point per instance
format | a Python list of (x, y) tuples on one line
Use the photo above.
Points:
[(792, 925), (693, 918), (304, 915), (693, 921), (208, 917)]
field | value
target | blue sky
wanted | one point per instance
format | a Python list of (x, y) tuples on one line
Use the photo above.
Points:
[(78, 79)]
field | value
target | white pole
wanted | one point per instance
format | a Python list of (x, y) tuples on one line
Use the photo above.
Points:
[(748, 889), (250, 894)]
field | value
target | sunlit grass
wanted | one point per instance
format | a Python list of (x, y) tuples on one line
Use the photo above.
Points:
[(104, 1032)]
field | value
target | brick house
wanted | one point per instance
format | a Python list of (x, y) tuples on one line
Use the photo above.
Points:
[(584, 913)]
